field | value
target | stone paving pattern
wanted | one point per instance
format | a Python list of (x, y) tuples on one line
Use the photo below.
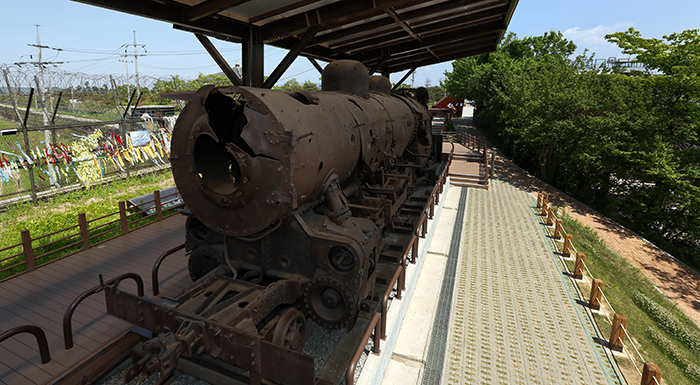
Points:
[(514, 316)]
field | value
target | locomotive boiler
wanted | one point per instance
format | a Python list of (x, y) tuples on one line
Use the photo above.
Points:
[(299, 204), (271, 179)]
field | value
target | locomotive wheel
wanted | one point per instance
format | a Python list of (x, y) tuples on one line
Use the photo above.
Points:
[(330, 303), (201, 261), (290, 331)]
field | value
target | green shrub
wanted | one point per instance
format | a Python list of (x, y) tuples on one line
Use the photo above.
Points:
[(667, 321), (691, 370)]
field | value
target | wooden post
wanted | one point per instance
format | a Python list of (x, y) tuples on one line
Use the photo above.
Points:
[(578, 267), (159, 207), (28, 250), (558, 228), (123, 218), (651, 374), (550, 215), (566, 251), (617, 336), (596, 294), (539, 200), (545, 207), (84, 235)]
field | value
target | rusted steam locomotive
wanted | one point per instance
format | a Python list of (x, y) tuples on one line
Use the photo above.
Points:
[(290, 199)]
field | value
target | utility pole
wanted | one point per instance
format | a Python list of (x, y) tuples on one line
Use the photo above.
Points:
[(136, 55), (42, 91)]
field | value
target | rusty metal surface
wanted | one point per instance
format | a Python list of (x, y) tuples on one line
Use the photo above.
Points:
[(186, 334), (301, 205)]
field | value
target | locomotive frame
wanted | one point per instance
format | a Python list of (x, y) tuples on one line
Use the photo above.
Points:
[(288, 220)]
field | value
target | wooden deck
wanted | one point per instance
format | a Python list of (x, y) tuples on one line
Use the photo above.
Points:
[(42, 297), (468, 168)]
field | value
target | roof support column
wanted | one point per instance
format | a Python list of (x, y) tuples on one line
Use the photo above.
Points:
[(289, 58), (253, 55), (315, 64), (235, 80), (413, 68)]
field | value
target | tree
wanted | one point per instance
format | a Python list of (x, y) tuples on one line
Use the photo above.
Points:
[(670, 177), (626, 144)]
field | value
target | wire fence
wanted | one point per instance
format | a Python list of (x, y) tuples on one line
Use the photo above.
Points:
[(64, 130)]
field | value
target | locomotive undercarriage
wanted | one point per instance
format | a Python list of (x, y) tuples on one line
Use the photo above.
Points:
[(302, 205), (238, 311)]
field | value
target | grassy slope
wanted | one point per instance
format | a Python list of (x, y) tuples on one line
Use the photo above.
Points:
[(621, 280)]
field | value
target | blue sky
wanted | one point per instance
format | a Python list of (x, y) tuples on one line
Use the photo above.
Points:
[(92, 37)]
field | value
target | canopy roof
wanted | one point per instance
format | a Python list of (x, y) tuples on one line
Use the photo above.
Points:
[(387, 36)]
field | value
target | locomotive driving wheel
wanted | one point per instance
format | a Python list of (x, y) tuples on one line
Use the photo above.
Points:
[(330, 303), (290, 331)]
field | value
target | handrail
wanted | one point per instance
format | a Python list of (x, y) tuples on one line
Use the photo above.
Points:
[(56, 232), (156, 267), (373, 324), (84, 235), (11, 247), (67, 326), (387, 293), (40, 339)]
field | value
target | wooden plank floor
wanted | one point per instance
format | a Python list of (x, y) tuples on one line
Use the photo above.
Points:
[(42, 297)]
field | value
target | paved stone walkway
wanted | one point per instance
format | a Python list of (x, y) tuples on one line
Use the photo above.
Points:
[(514, 316)]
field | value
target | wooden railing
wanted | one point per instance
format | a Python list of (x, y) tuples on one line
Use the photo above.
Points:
[(554, 226), (83, 235)]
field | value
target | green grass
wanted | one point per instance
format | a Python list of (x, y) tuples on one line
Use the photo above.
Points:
[(664, 334), (62, 212)]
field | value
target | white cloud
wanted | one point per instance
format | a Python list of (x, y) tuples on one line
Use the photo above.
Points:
[(594, 38)]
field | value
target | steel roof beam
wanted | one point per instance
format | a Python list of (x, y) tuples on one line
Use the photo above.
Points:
[(220, 61), (211, 7), (330, 16), (452, 36), (175, 13), (289, 58), (315, 64), (456, 55), (281, 10), (475, 6), (413, 68), (356, 44), (422, 55), (403, 45)]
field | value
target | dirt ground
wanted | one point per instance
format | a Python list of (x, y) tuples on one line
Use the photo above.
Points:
[(672, 277)]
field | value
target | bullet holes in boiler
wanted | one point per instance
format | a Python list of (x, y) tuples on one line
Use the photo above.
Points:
[(251, 254), (284, 261), (320, 166)]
